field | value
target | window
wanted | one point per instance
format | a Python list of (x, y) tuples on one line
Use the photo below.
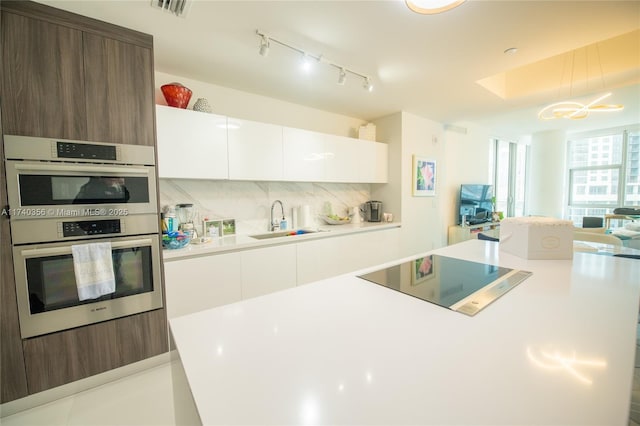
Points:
[(509, 177), (603, 172)]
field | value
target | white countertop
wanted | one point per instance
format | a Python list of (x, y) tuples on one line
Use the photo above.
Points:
[(243, 242), (346, 351)]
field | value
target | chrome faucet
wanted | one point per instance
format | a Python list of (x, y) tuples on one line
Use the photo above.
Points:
[(275, 226)]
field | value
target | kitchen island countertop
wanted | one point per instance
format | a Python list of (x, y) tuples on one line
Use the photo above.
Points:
[(558, 349)]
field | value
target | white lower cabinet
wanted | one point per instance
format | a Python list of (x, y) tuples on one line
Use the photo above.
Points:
[(267, 270), (200, 283), (320, 259), (196, 284)]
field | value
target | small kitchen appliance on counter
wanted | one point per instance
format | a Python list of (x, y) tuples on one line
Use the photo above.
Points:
[(186, 214), (373, 211)]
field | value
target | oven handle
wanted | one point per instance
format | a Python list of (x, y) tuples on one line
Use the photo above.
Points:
[(54, 251), (87, 169)]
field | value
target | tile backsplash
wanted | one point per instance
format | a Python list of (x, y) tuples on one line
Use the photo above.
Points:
[(249, 203)]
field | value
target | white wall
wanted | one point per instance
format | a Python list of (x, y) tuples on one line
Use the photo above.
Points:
[(389, 131), (463, 155), (468, 160), (422, 217), (546, 191), (249, 106)]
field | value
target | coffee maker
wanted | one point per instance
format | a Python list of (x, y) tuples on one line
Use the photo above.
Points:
[(373, 211)]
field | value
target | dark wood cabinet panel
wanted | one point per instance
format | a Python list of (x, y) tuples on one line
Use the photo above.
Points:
[(141, 336), (14, 383), (59, 358), (68, 76), (119, 91), (42, 87)]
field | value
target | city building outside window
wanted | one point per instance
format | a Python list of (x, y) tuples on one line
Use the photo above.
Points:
[(604, 172)]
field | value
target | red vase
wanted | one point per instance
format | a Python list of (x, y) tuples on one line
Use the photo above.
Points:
[(176, 95)]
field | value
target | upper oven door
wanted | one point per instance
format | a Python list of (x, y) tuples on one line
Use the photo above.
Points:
[(48, 190)]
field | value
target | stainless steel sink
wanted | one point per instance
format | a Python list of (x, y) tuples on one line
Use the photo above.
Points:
[(278, 234)]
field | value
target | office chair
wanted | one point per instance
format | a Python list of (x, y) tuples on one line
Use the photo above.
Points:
[(592, 222), (484, 237)]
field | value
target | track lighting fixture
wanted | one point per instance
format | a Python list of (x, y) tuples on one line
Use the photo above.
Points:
[(309, 60), (264, 45), (342, 76)]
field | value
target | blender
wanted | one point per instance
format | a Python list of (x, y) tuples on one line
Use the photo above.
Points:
[(186, 214)]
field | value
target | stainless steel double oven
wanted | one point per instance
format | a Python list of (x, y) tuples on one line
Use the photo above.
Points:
[(64, 193)]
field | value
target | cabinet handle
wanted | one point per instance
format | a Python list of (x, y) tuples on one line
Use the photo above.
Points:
[(81, 169), (53, 251)]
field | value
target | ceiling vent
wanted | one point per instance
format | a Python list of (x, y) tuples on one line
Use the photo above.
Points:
[(177, 7)]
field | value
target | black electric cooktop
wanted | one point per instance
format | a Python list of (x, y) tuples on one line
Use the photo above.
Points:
[(460, 285)]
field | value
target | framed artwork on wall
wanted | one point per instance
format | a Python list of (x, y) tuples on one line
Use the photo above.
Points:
[(424, 177)]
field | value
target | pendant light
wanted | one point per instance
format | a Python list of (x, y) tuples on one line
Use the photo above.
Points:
[(576, 110)]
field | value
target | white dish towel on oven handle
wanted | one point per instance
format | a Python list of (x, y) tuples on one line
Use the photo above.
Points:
[(93, 267)]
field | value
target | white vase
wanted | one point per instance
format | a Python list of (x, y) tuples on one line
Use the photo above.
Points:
[(202, 105)]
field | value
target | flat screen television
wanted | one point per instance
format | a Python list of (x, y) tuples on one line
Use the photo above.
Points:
[(475, 203)]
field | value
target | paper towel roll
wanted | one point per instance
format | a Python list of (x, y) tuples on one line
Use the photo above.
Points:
[(304, 216)]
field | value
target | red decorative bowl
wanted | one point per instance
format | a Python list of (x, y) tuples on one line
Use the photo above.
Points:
[(176, 95)]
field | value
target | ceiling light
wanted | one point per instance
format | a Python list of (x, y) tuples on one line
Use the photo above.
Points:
[(264, 45), (511, 51), (575, 110), (309, 61), (342, 76), (431, 7)]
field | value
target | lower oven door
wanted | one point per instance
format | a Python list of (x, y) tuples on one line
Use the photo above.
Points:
[(48, 295)]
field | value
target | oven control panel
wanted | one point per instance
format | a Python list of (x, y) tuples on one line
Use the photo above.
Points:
[(85, 151), (90, 227)]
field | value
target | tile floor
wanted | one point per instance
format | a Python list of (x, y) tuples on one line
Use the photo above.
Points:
[(142, 399)]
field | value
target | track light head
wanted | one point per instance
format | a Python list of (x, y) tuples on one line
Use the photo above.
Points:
[(264, 46), (342, 76), (308, 62), (367, 85)]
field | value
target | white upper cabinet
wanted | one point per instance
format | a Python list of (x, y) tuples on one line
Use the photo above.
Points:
[(319, 157), (196, 145), (374, 162), (191, 144), (304, 155), (344, 156), (255, 150)]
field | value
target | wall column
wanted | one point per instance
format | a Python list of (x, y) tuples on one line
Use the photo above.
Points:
[(546, 194)]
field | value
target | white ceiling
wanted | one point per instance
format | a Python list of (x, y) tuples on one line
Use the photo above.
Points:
[(425, 65)]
